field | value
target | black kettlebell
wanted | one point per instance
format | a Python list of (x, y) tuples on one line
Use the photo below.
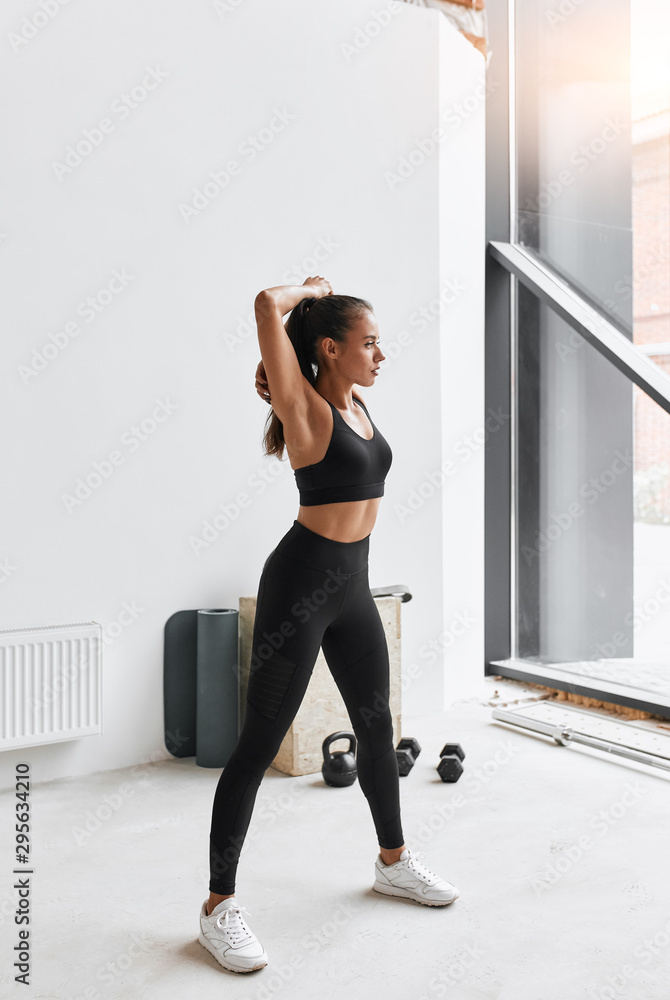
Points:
[(339, 768)]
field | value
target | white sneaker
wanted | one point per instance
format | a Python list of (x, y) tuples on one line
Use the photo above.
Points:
[(409, 878), (226, 936)]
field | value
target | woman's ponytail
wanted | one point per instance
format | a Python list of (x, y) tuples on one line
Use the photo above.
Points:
[(309, 322), (297, 328)]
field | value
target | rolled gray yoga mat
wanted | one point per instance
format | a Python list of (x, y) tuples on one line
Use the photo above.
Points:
[(217, 686)]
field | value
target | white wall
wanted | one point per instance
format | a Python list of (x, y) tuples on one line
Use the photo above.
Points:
[(465, 422), (436, 504), (179, 331)]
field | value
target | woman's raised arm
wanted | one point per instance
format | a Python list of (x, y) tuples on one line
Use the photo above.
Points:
[(282, 369)]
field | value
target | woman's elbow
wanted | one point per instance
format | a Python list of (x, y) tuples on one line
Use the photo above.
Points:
[(264, 301)]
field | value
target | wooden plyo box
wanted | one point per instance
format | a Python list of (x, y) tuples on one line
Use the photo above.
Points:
[(322, 710)]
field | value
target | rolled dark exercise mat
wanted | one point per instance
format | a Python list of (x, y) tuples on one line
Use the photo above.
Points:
[(217, 686), (179, 681)]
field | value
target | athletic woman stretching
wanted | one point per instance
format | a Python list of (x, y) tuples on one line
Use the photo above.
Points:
[(314, 592)]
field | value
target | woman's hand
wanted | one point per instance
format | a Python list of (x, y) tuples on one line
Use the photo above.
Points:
[(322, 286), (262, 382), (316, 288), (286, 297)]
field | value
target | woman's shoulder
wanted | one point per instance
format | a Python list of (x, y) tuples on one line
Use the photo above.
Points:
[(306, 427)]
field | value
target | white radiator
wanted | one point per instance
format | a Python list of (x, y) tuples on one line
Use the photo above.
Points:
[(50, 683)]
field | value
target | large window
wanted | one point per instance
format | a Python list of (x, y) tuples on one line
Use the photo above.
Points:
[(578, 552), (573, 143)]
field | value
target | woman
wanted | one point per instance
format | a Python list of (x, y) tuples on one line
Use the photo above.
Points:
[(340, 460)]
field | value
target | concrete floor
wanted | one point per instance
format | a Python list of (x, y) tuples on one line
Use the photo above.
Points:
[(560, 854)]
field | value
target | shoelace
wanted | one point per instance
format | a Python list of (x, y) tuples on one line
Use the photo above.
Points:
[(420, 869), (239, 930)]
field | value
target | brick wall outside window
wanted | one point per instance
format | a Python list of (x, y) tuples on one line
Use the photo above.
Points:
[(651, 322)]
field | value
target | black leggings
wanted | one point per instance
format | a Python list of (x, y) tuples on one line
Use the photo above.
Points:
[(313, 592)]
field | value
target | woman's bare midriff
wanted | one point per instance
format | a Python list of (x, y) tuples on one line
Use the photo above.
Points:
[(344, 522), (347, 521)]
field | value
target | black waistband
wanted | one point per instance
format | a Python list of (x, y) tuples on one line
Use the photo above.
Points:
[(316, 550)]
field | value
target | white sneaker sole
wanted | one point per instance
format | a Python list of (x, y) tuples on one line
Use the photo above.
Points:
[(394, 890), (260, 964)]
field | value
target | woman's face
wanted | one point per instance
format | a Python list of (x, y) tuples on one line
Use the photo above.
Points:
[(357, 358)]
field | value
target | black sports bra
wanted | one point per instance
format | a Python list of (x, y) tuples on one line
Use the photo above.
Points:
[(353, 468)]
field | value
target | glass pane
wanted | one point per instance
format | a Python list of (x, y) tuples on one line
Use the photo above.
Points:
[(593, 510), (574, 146), (650, 81)]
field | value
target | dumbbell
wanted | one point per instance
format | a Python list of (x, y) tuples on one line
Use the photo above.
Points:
[(407, 751), (450, 767)]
